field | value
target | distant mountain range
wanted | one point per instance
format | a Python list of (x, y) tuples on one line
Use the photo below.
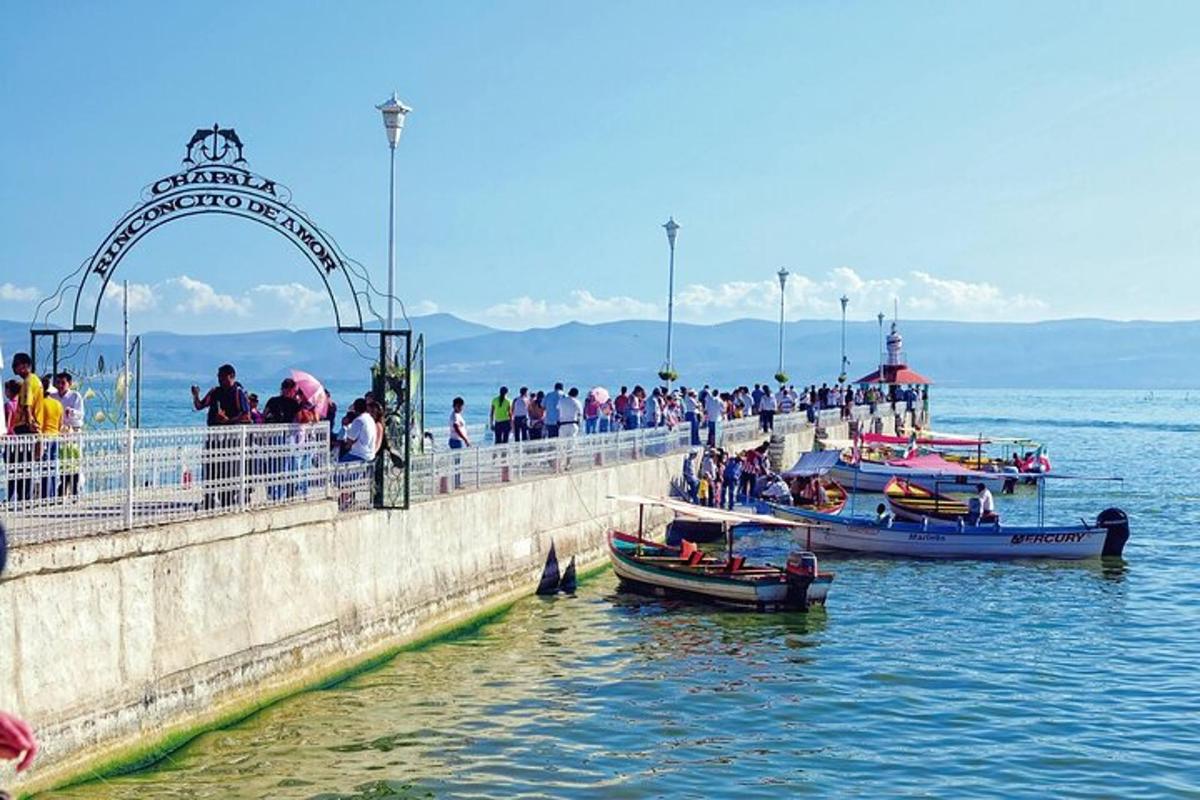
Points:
[(1079, 353)]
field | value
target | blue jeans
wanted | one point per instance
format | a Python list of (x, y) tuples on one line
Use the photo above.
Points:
[(456, 444), (712, 433), (589, 424), (631, 420), (694, 422), (728, 494)]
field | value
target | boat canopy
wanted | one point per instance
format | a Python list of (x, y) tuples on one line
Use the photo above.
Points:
[(703, 513), (811, 464), (936, 465), (831, 443), (931, 441)]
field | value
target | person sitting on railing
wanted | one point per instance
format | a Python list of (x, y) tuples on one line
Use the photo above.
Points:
[(360, 435)]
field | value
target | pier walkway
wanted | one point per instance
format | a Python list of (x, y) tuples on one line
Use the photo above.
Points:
[(102, 482)]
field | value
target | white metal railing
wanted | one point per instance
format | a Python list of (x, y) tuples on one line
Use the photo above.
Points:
[(61, 487), (105, 481)]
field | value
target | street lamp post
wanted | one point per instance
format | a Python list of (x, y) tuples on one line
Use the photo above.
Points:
[(842, 375), (783, 276), (394, 112), (672, 228), (881, 351)]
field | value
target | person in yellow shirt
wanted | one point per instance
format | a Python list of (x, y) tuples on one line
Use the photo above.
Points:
[(26, 420), (49, 425), (30, 398), (50, 422)]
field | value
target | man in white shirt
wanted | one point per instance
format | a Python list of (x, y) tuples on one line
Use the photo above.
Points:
[(766, 411), (714, 412), (987, 504), (72, 403), (570, 412), (458, 436), (360, 434)]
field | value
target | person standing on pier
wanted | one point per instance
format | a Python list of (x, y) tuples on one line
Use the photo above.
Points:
[(766, 411), (227, 404), (714, 412), (570, 412), (520, 415), (458, 437), (551, 420), (500, 416)]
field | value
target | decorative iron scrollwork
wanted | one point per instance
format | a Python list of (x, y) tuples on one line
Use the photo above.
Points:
[(216, 146)]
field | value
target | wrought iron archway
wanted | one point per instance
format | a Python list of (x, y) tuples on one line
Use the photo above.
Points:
[(214, 179)]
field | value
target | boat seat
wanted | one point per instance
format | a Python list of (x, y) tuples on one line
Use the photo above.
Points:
[(735, 563), (695, 558), (686, 548)]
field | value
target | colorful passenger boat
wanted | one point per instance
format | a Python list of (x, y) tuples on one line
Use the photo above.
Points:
[(961, 539), (687, 572)]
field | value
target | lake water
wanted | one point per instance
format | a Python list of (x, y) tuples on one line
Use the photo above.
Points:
[(963, 679)]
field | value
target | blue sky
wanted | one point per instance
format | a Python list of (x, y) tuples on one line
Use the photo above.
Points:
[(1011, 161)]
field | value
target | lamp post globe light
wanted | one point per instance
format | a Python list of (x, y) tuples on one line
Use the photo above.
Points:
[(781, 376), (394, 111), (667, 373), (844, 301)]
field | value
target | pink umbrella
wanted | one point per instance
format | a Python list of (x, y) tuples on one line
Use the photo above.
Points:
[(313, 391), (600, 393)]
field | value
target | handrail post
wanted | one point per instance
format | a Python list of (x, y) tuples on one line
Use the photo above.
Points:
[(129, 441), (242, 470)]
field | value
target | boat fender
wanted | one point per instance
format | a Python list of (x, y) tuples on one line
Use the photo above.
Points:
[(962, 526), (1116, 523), (550, 575), (924, 523)]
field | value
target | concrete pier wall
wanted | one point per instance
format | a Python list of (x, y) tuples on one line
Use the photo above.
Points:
[(124, 644)]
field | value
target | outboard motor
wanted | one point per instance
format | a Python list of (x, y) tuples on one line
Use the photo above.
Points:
[(1116, 523), (801, 570)]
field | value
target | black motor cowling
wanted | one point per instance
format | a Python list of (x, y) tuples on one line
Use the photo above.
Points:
[(1116, 523)]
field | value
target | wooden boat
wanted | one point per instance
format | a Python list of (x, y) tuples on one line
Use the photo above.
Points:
[(913, 503), (816, 466), (929, 471), (687, 572), (825, 532)]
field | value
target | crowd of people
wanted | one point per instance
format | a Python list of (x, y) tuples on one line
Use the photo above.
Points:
[(530, 415), (49, 408)]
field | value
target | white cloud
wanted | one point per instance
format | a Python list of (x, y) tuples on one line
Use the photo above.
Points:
[(141, 297), (971, 301), (201, 298), (295, 300), (919, 293), (582, 306), (20, 294)]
